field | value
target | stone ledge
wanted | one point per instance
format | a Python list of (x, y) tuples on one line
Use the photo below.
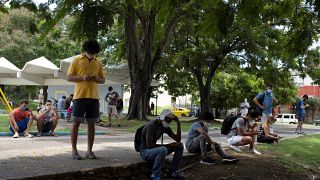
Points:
[(139, 170)]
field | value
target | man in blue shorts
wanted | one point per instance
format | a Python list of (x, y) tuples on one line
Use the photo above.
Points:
[(20, 120)]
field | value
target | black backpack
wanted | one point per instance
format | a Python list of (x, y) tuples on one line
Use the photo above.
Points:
[(227, 124), (137, 138)]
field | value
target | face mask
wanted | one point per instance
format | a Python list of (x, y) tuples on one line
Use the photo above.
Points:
[(269, 91), (165, 124), (23, 108)]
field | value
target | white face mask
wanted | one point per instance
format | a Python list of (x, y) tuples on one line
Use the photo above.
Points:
[(269, 90), (165, 124)]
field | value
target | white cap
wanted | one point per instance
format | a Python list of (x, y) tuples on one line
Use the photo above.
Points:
[(165, 113)]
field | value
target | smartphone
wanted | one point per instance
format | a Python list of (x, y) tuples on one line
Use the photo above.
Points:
[(27, 109)]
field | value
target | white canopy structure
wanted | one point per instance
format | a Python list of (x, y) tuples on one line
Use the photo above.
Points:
[(8, 74), (41, 71)]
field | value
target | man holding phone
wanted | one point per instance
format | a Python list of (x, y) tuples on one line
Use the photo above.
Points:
[(47, 119), (20, 120)]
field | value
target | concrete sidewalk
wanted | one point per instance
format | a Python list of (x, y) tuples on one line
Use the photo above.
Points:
[(30, 157)]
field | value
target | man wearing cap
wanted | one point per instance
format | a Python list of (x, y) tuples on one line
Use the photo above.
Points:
[(151, 151)]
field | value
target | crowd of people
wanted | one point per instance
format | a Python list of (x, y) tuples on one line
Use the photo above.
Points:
[(87, 72)]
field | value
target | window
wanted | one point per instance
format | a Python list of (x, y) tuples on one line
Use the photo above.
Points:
[(286, 116)]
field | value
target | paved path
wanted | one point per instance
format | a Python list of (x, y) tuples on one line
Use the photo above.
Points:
[(24, 157)]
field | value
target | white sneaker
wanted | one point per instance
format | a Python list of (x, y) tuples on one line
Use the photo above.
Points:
[(255, 151), (236, 148)]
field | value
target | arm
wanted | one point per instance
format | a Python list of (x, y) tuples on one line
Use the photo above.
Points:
[(42, 113), (244, 133), (176, 137), (205, 135), (13, 121), (74, 78), (255, 100)]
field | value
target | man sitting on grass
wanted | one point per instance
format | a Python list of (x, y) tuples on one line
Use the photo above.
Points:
[(47, 119), (20, 120), (199, 141)]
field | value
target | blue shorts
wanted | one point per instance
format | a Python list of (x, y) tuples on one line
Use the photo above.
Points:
[(22, 125), (301, 116)]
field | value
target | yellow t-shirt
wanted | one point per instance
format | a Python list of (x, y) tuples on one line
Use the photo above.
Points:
[(81, 66)]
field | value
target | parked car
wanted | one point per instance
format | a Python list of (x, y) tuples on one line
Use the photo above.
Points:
[(287, 118), (181, 112)]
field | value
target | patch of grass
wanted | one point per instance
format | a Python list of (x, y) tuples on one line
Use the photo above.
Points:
[(297, 154), (133, 125)]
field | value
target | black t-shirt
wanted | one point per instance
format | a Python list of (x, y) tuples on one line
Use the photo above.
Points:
[(152, 132)]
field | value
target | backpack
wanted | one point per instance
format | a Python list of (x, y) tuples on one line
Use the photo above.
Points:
[(227, 124), (137, 138)]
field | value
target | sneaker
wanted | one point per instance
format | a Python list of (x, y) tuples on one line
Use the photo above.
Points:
[(75, 155), (207, 161), (254, 151), (38, 134), (236, 148), (16, 135), (230, 159), (177, 175), (301, 132), (90, 155), (28, 135)]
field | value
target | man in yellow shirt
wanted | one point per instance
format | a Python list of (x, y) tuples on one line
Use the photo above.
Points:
[(87, 72)]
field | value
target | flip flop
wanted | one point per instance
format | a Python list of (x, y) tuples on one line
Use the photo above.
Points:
[(53, 134)]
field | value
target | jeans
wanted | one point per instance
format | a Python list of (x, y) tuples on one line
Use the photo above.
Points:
[(200, 145), (158, 155)]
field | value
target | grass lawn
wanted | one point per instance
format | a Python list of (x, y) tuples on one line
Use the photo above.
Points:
[(297, 154), (133, 125)]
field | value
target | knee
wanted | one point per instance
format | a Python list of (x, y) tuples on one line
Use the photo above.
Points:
[(248, 139), (163, 151), (180, 147)]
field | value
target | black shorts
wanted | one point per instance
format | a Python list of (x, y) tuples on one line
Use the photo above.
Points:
[(85, 110)]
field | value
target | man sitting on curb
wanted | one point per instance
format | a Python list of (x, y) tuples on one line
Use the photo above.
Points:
[(150, 151), (47, 119), (20, 120), (199, 141), (240, 135)]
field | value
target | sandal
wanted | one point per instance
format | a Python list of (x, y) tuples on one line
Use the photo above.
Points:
[(53, 134)]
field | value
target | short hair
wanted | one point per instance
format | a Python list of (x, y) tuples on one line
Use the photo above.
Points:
[(305, 96), (91, 46), (254, 113), (206, 116), (24, 101), (110, 88), (71, 94), (270, 85), (48, 101), (62, 97)]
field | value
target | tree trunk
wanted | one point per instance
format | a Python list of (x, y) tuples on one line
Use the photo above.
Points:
[(205, 98)]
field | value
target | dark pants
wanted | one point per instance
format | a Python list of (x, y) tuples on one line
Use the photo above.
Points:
[(200, 145), (265, 140), (158, 155)]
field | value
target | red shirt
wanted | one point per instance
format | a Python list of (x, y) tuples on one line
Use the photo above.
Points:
[(19, 115)]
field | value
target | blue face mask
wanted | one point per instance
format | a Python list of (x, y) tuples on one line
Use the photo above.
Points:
[(23, 108), (269, 91)]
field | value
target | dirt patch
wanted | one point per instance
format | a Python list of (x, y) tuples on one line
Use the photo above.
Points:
[(249, 167)]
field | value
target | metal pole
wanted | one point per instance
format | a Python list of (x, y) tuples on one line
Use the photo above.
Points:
[(157, 103)]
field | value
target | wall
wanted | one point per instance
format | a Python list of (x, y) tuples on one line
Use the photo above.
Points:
[(58, 91)]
